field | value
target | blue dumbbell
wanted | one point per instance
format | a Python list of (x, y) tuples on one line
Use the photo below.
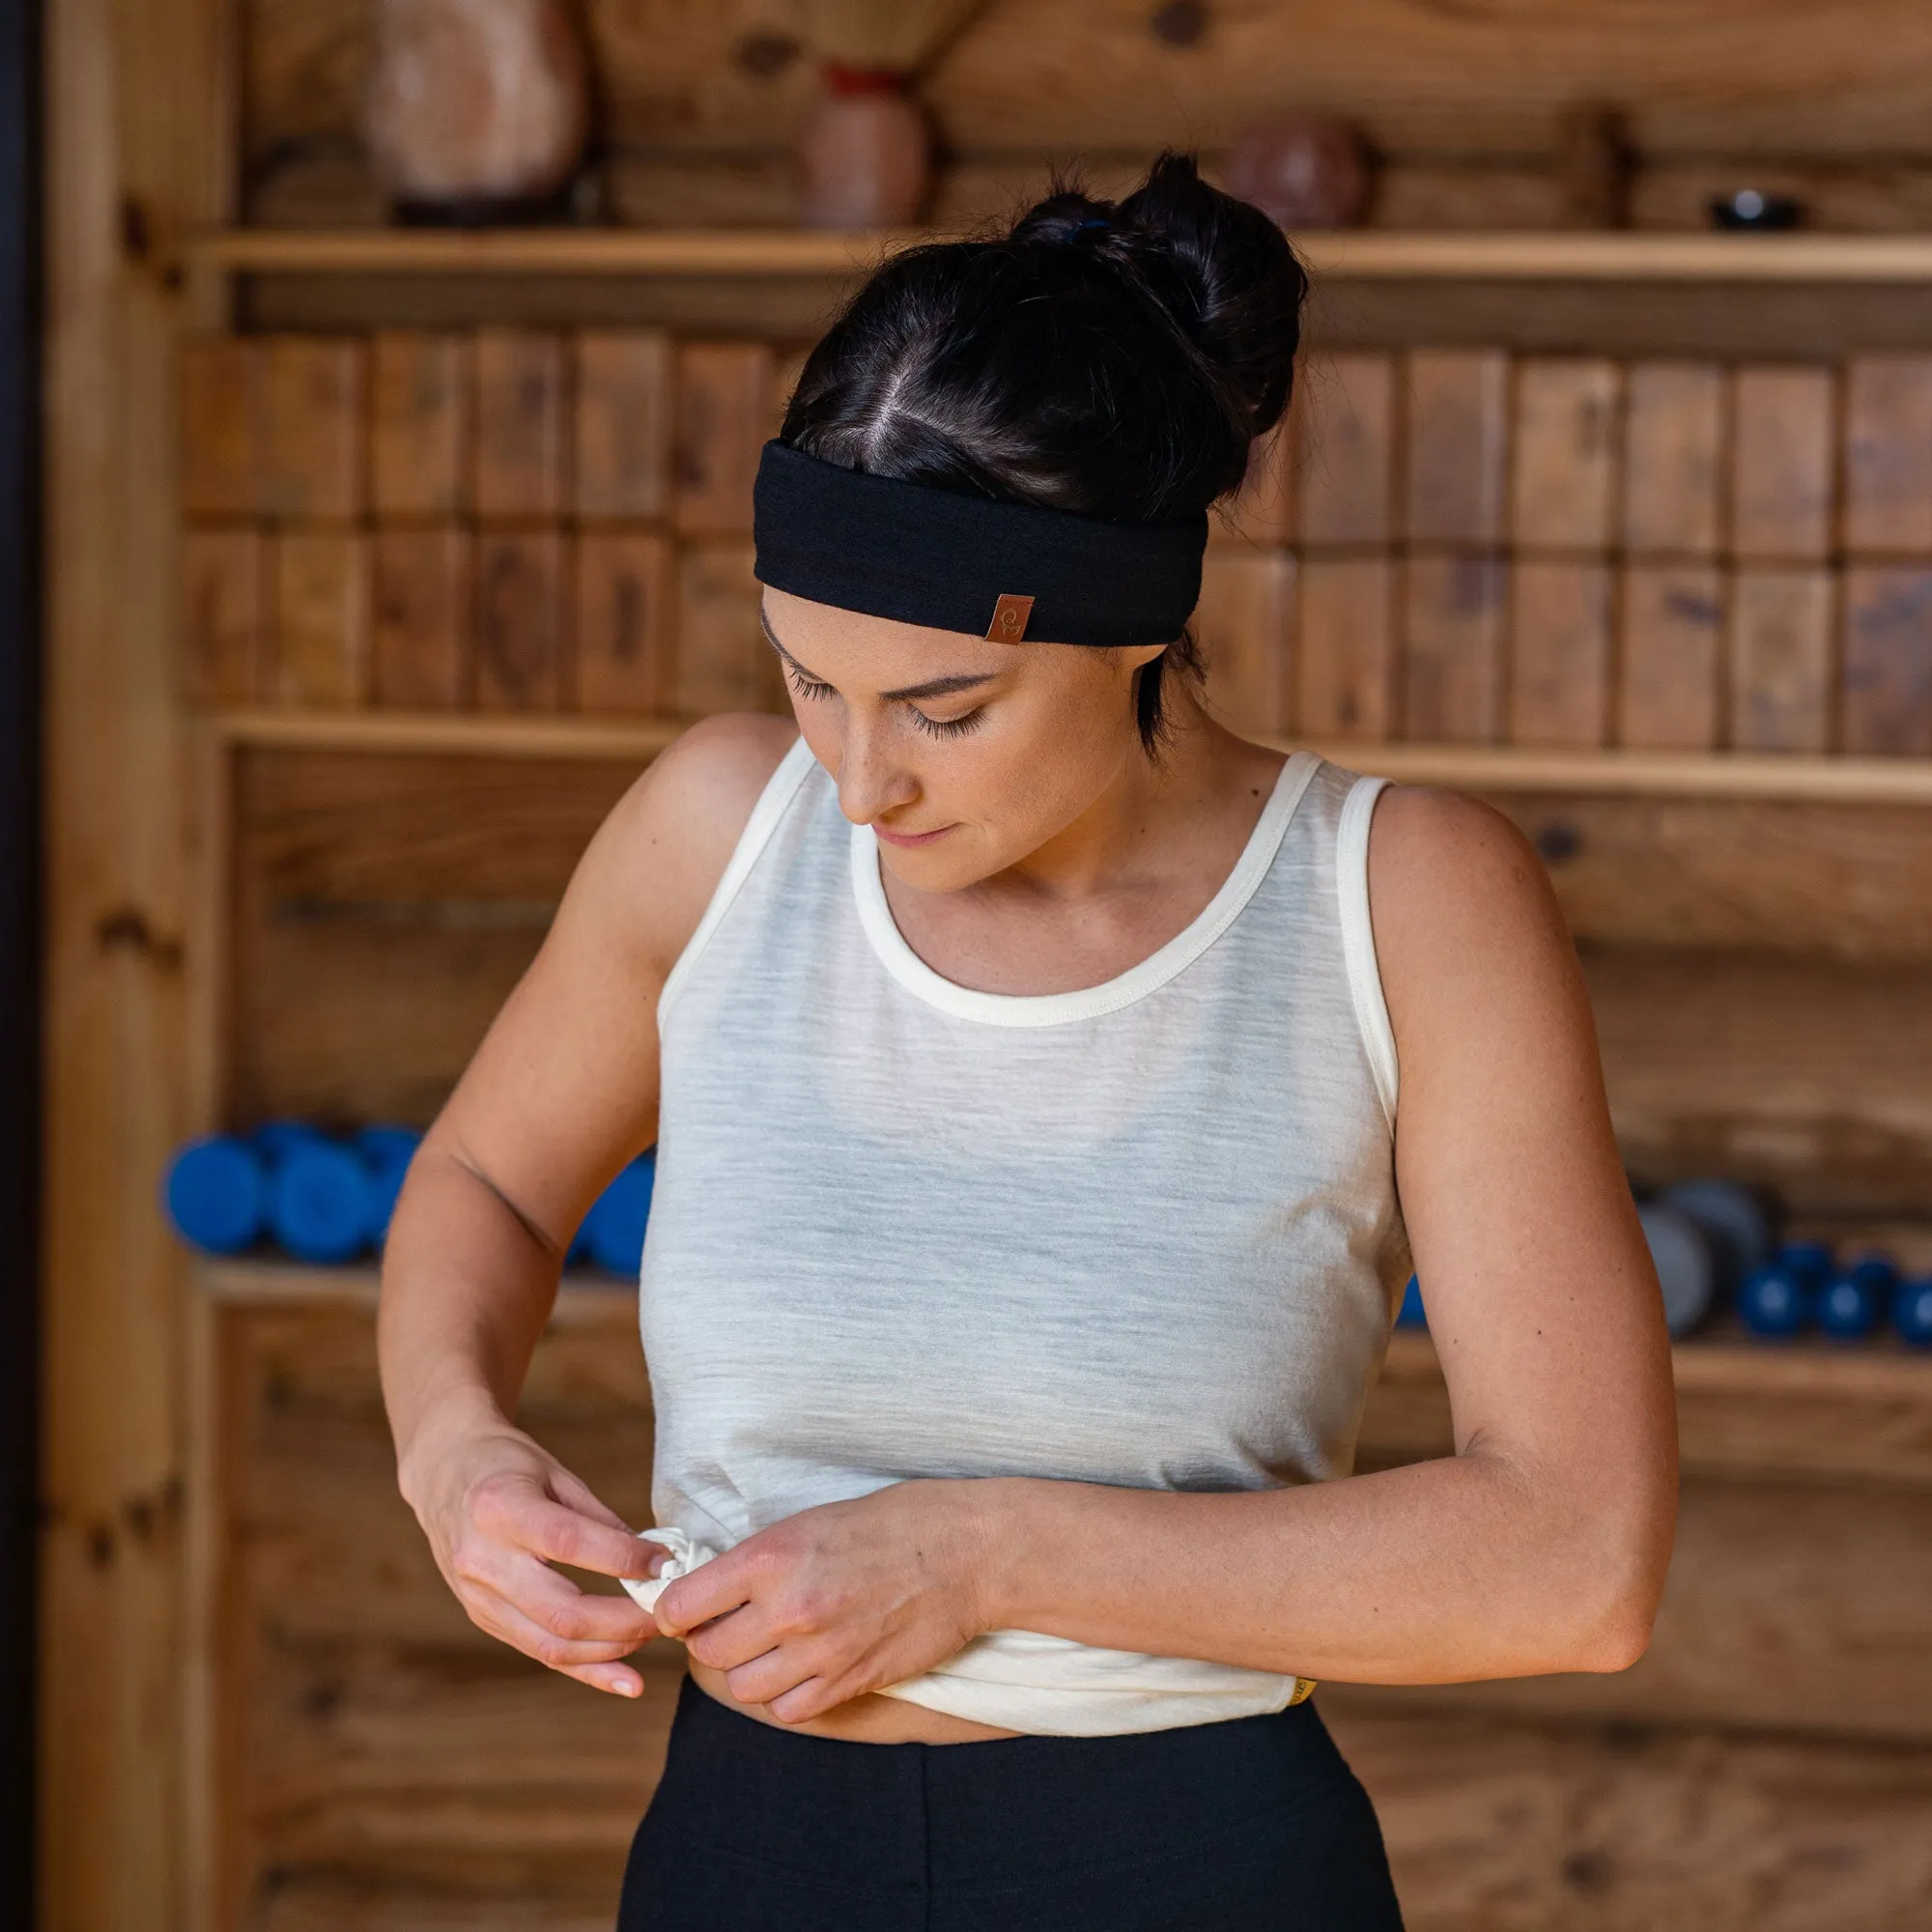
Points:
[(320, 1199), (1912, 1311), (215, 1194), (276, 1139), (613, 1230), (388, 1151), (1851, 1302), (1781, 1297), (1410, 1315)]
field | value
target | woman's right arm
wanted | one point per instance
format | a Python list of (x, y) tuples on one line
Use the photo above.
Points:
[(560, 1094)]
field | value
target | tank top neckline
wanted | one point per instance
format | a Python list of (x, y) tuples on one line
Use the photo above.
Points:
[(1081, 1003)]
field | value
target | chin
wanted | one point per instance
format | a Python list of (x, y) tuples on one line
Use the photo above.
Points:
[(943, 866)]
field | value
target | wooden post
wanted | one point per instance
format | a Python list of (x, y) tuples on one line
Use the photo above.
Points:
[(138, 152)]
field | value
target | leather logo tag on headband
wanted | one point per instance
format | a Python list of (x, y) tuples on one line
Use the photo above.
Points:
[(1010, 618)]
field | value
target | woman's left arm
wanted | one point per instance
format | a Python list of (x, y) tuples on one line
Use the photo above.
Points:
[(1540, 1544)]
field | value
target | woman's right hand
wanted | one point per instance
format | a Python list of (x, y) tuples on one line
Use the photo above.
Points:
[(498, 1510)]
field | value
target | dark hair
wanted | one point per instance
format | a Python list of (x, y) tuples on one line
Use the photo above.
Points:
[(1113, 358)]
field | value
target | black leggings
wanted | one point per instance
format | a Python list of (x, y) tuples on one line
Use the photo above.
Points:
[(1250, 1824)]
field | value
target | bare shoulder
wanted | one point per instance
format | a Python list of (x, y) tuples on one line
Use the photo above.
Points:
[(1459, 899), (657, 859)]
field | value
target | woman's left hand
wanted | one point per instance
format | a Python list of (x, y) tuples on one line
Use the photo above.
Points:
[(839, 1600)]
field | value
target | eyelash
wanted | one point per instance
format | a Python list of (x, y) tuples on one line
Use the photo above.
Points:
[(938, 727)]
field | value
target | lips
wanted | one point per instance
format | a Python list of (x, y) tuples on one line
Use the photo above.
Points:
[(909, 837)]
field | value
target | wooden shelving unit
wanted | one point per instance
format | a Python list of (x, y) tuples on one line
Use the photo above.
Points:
[(1366, 254), (1844, 780), (1801, 1408)]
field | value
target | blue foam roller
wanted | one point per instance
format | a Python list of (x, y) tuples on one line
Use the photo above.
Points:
[(614, 1227), (1777, 1300), (319, 1202), (387, 1153), (1686, 1264), (1410, 1315), (1912, 1311), (1732, 1221), (1849, 1305), (214, 1194)]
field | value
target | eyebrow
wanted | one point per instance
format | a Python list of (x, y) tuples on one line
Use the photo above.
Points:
[(933, 687)]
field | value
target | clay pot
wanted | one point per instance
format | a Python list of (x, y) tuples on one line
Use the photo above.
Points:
[(864, 158), (1305, 173), (477, 109)]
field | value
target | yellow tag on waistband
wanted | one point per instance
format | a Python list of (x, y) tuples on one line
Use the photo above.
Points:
[(1304, 1687)]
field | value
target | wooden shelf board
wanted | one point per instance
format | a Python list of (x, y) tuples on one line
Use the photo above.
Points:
[(526, 736), (1365, 254), (1718, 1365), (586, 1298), (1844, 780)]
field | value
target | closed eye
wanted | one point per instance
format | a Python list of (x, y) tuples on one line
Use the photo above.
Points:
[(806, 686), (946, 728)]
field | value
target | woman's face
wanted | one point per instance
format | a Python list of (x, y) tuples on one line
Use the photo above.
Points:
[(963, 755)]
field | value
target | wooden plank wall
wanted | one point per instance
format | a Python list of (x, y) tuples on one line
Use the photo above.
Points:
[(390, 1765), (1465, 103)]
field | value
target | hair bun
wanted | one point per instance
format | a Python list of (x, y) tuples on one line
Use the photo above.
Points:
[(1219, 268)]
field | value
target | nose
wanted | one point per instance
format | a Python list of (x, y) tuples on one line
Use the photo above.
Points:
[(872, 781)]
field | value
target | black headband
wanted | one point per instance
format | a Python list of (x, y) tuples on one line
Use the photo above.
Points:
[(925, 555)]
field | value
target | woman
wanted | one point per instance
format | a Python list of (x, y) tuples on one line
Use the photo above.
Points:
[(1023, 1051)]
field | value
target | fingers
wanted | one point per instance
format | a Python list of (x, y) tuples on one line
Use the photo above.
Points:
[(713, 1589), (513, 1510), (593, 1663), (548, 1602)]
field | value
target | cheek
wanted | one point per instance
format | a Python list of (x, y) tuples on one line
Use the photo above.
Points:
[(1028, 782)]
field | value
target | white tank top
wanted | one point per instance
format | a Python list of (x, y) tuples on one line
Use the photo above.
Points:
[(1143, 1233)]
